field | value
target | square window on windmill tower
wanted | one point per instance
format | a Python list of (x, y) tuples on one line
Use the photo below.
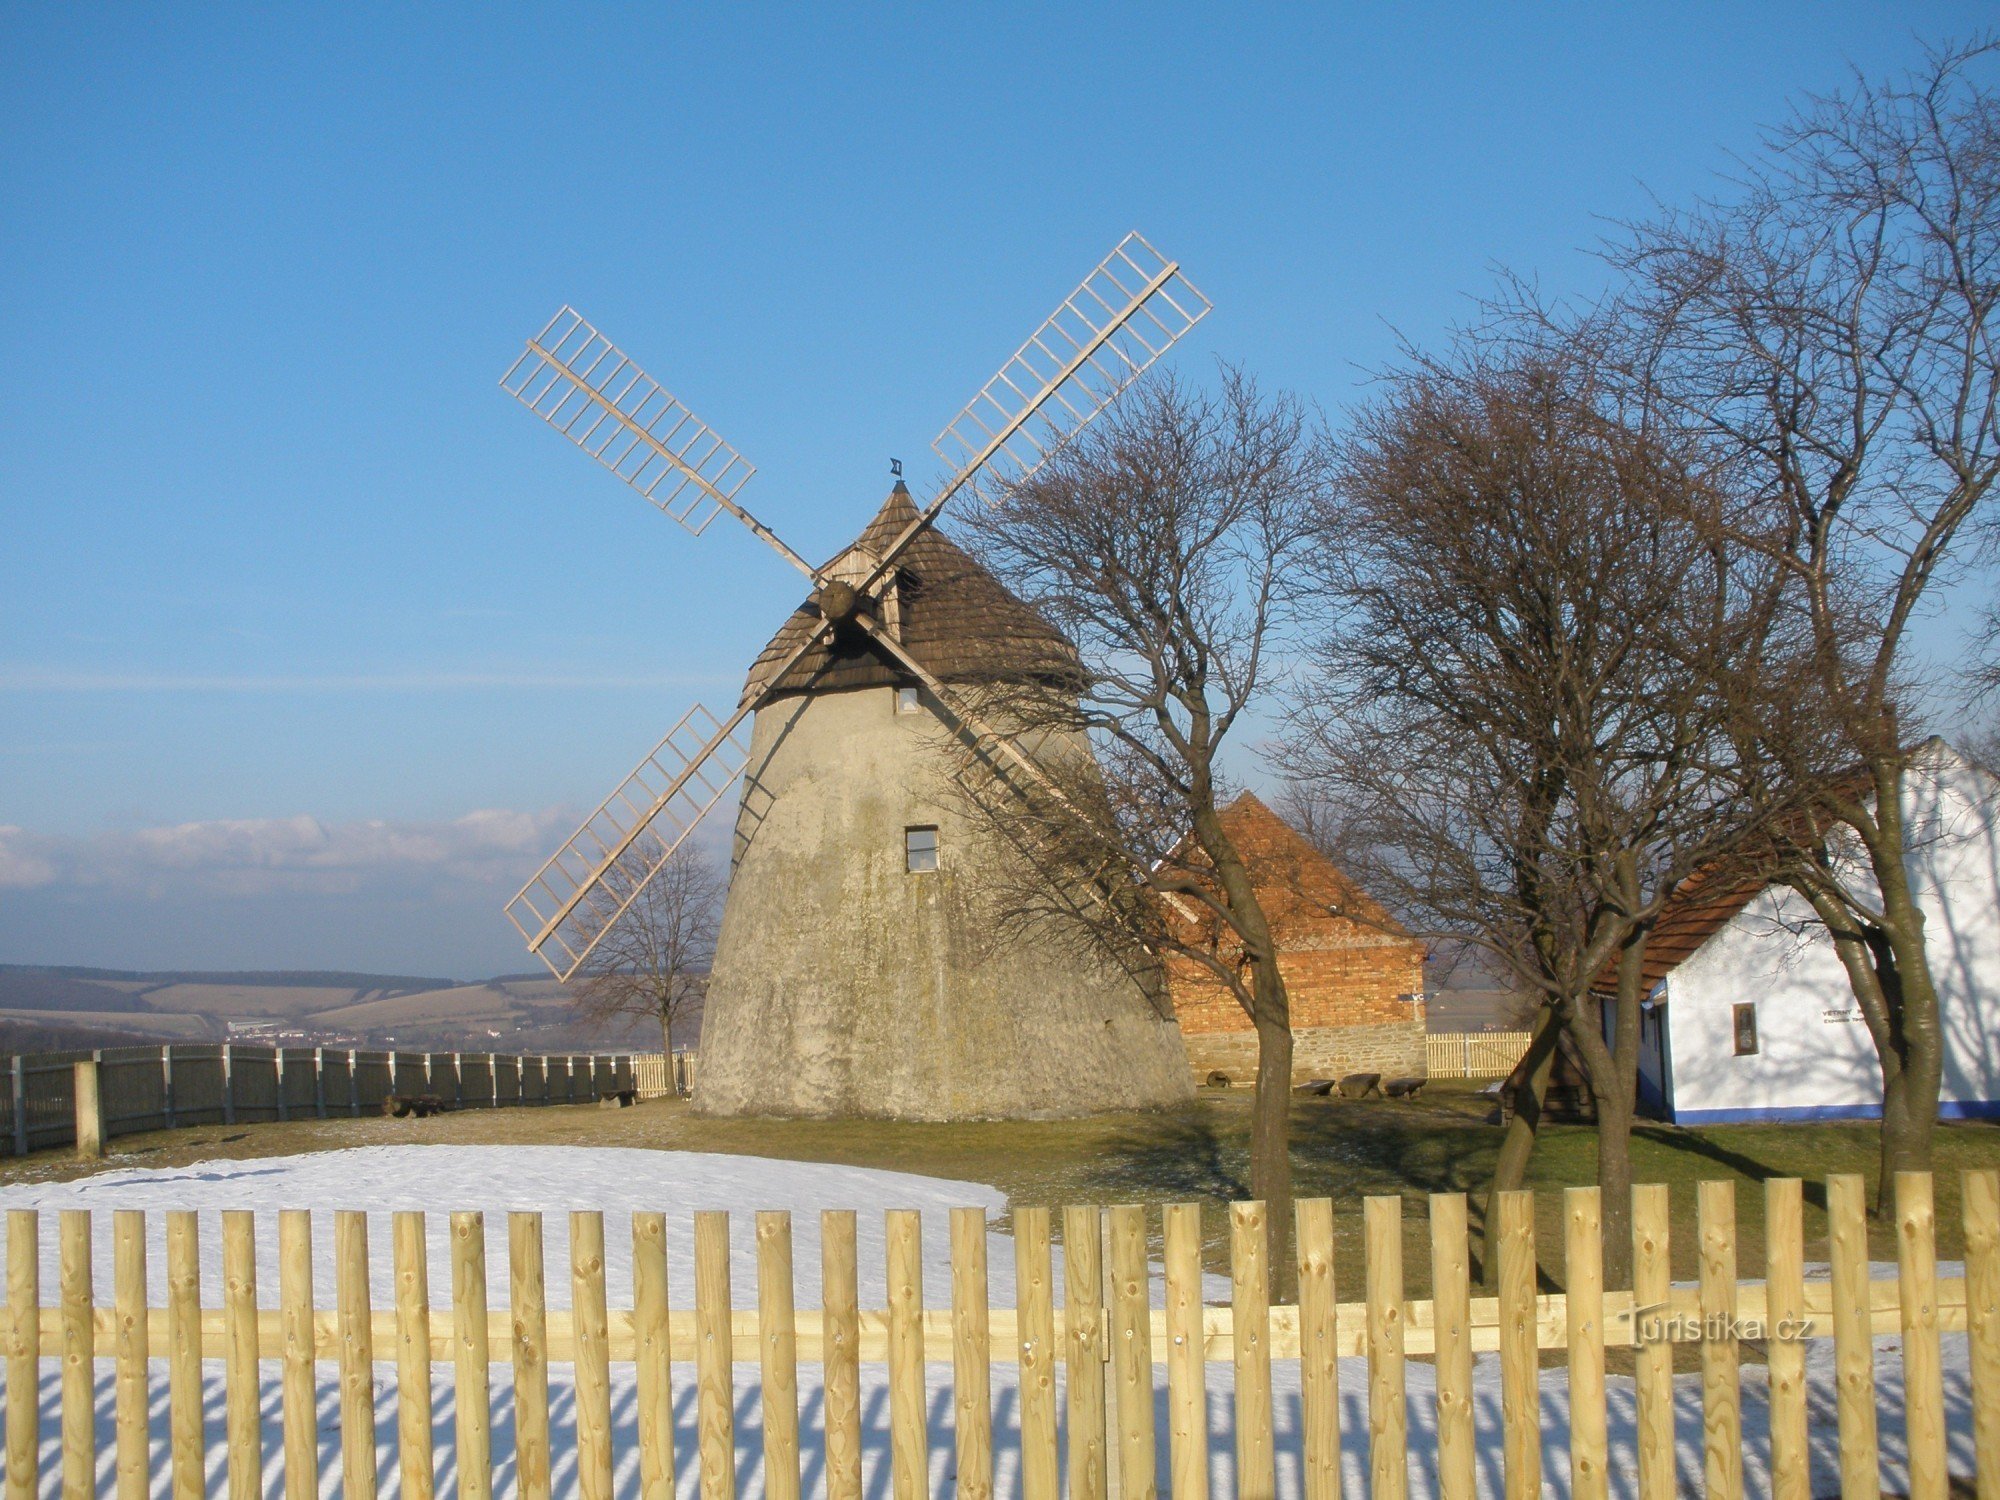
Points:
[(920, 850), (906, 700)]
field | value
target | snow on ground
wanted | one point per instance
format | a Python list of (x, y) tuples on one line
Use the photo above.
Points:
[(617, 1181)]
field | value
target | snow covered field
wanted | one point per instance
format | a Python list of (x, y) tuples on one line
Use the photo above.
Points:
[(554, 1179)]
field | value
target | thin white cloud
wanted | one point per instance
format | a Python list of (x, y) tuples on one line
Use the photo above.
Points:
[(303, 854), (20, 866), (45, 680)]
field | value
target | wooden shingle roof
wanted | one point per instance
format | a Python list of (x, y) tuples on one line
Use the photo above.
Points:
[(956, 619)]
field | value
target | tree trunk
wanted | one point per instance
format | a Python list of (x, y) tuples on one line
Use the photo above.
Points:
[(1510, 1169), (667, 1042), (1889, 972), (1910, 1098), (1614, 1185), (1271, 1149), (1614, 1089)]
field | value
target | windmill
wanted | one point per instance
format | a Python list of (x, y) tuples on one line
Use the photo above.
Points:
[(855, 971)]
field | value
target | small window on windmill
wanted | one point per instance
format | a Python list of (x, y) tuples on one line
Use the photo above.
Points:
[(1746, 1030), (920, 850), (906, 700)]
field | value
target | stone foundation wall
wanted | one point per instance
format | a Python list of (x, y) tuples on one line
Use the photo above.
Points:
[(1394, 1049)]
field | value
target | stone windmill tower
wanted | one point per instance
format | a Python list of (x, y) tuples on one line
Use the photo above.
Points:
[(860, 968)]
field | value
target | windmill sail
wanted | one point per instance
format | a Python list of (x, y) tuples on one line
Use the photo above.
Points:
[(1107, 333), (1127, 313), (587, 885), (581, 384)]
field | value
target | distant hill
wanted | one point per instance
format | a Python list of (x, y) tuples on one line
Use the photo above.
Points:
[(263, 978), (55, 989), (512, 1012)]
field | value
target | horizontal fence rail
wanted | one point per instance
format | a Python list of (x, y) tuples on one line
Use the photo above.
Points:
[(169, 1087), (1126, 1353), (1474, 1054)]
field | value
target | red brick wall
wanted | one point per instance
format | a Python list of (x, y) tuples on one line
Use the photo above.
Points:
[(1345, 962), (1347, 986)]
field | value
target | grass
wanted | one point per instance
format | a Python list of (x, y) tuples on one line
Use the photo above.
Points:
[(1345, 1150)]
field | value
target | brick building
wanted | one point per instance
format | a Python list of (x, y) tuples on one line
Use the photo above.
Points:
[(1355, 977)]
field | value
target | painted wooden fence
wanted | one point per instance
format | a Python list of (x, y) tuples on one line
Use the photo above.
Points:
[(1116, 1348), (1474, 1054), (162, 1088)]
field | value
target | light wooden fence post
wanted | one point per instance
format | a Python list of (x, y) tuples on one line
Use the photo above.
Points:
[(653, 1355), (1250, 1317), (1083, 1349), (184, 1361), (1853, 1337), (909, 1444), (1583, 1303), (88, 1099), (1451, 1320), (298, 1374), (129, 1277), (1923, 1374), (1187, 1358), (411, 1257), (1319, 1347), (1981, 1204), (528, 1299), (24, 1351), (593, 1355), (1785, 1351), (357, 1355), (840, 1303), (1388, 1407), (1132, 1353), (79, 1358), (971, 1355), (1034, 1297), (715, 1357), (1520, 1361), (778, 1354), (243, 1377), (1721, 1390), (1652, 1357), (472, 1358)]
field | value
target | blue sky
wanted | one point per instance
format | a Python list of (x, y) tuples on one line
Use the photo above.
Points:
[(311, 640)]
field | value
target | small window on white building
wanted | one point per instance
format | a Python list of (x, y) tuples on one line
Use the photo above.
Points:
[(1746, 1030), (920, 850), (906, 700)]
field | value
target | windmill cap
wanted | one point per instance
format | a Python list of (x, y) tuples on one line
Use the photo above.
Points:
[(957, 619)]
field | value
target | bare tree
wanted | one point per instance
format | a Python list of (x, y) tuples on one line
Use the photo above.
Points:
[(653, 961), (1163, 543), (1516, 705), (1833, 324)]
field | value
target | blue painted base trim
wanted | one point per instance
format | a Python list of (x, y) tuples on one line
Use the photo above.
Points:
[(1975, 1109)]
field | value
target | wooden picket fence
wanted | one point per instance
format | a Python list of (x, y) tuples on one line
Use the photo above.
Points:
[(1474, 1054), (659, 1074), (1110, 1339)]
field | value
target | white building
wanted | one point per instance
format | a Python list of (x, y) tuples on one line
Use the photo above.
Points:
[(1751, 1018)]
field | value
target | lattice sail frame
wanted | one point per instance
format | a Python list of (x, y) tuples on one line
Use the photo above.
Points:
[(1107, 333), (584, 386), (588, 884)]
